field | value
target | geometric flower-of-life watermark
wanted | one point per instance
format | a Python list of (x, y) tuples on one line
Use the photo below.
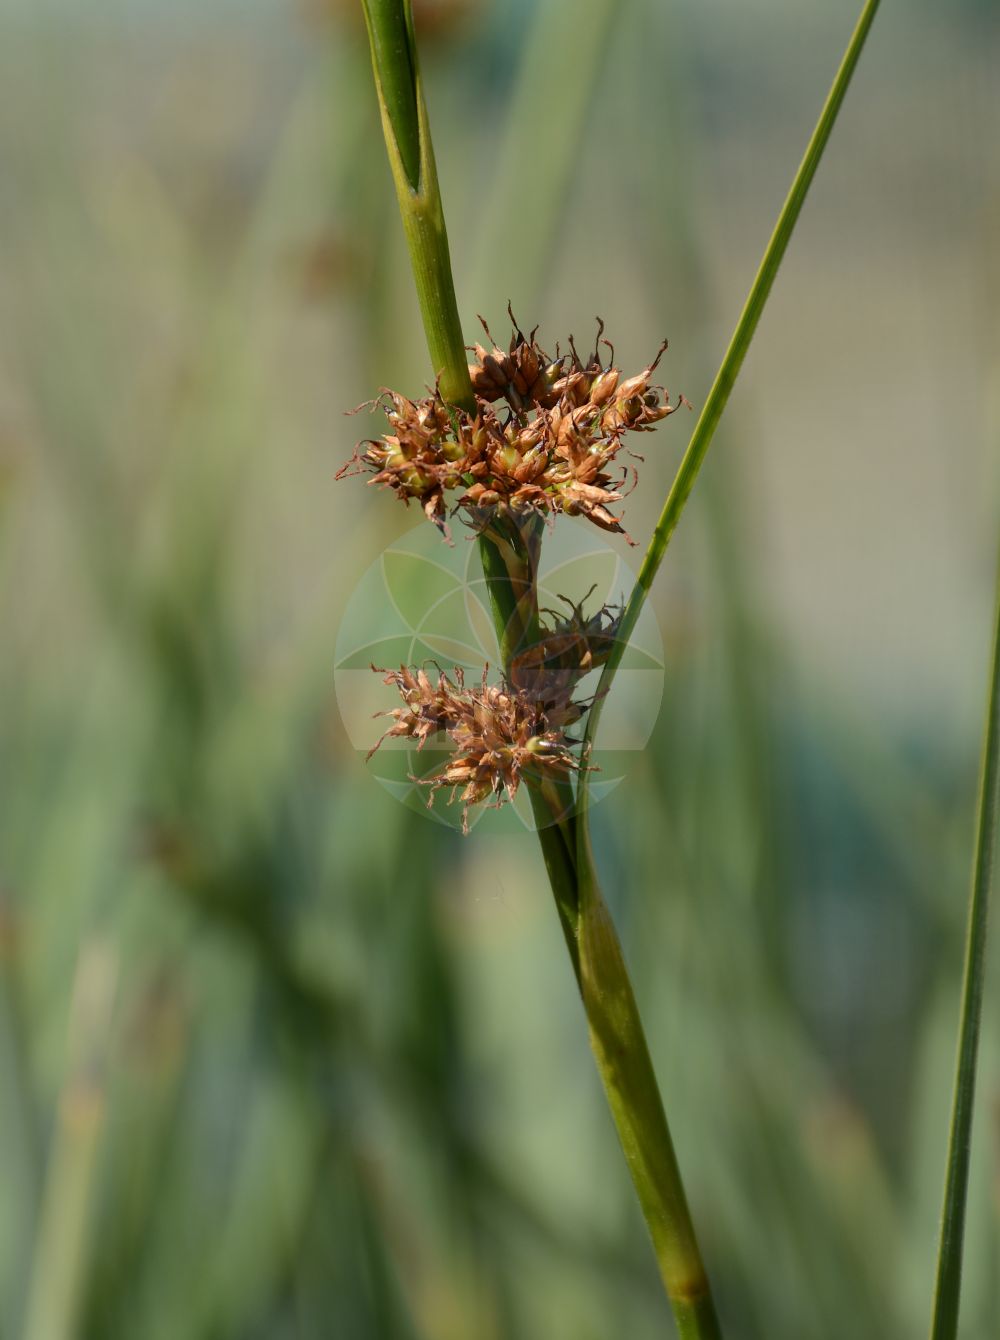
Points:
[(425, 603)]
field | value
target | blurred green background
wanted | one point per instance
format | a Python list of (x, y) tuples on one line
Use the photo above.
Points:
[(280, 1058)]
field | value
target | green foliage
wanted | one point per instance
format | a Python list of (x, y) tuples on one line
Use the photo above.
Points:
[(944, 1325), (333, 1019)]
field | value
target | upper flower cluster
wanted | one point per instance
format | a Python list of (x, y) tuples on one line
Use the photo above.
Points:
[(544, 435)]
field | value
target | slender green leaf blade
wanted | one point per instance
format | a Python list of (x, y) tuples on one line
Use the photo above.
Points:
[(718, 396), (944, 1323)]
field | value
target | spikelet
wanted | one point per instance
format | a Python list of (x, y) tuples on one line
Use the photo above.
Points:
[(499, 734), (544, 437)]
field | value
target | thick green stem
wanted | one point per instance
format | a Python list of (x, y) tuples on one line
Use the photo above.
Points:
[(558, 854), (619, 1046), (411, 157), (944, 1323), (509, 551), (395, 73), (616, 1033)]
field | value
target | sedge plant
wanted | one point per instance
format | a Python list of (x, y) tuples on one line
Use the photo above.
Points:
[(509, 442)]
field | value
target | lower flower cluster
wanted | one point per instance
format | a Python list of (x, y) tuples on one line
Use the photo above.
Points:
[(502, 733), (499, 734)]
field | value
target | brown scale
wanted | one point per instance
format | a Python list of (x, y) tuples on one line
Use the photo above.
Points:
[(568, 648), (550, 448), (498, 731)]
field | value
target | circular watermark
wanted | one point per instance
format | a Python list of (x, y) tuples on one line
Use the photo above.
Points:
[(424, 603)]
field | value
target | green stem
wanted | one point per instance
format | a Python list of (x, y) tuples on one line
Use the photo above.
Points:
[(619, 1046), (408, 142), (510, 551), (411, 157), (559, 857), (944, 1324), (509, 554), (395, 72), (510, 557), (616, 1033), (718, 396)]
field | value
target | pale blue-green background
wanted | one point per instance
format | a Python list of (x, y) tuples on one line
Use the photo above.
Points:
[(345, 1088)]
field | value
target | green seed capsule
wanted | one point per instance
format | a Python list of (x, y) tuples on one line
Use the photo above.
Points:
[(414, 481)]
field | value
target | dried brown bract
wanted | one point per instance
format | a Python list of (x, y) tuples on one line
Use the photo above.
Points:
[(544, 437), (523, 376), (499, 733), (569, 647)]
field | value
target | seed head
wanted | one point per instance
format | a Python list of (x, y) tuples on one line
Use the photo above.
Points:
[(570, 646), (545, 435), (499, 732), (525, 376)]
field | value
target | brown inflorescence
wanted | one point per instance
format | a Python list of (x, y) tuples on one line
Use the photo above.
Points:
[(567, 649), (543, 438), (499, 733)]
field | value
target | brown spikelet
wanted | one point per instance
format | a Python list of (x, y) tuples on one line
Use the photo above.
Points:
[(500, 732), (544, 437)]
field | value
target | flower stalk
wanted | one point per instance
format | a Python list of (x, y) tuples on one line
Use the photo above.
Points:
[(509, 545), (411, 158), (550, 449)]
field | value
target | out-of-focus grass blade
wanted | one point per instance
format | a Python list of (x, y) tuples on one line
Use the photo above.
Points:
[(557, 78), (18, 1120), (63, 1247), (944, 1322)]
